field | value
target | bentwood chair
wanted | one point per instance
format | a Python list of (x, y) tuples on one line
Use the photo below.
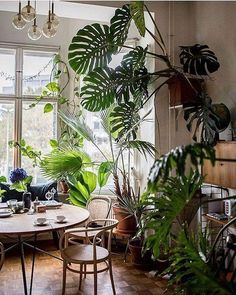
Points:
[(99, 208), (88, 254), (2, 255)]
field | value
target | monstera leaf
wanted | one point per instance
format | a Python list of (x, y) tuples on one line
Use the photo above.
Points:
[(120, 24), (135, 57), (124, 120), (137, 12), (198, 60), (213, 118), (98, 93), (90, 48)]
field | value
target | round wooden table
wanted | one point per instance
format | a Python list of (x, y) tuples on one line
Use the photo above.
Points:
[(23, 225), (19, 224)]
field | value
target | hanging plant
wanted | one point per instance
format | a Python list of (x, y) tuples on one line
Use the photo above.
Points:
[(198, 60)]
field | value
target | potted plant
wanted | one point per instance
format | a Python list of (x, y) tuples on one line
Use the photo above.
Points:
[(2, 191)]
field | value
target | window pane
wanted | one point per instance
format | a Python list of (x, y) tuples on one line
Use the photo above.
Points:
[(6, 131), (7, 71), (37, 129), (37, 67)]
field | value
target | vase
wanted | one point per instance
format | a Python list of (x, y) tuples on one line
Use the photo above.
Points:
[(26, 198), (127, 223)]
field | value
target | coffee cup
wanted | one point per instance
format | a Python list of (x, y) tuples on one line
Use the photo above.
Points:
[(60, 218), (41, 220)]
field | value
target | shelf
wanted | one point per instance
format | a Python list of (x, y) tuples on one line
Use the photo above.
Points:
[(221, 222)]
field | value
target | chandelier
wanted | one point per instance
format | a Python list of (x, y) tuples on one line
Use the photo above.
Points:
[(28, 14)]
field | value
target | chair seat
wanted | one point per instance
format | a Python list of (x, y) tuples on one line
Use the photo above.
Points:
[(82, 253), (82, 235)]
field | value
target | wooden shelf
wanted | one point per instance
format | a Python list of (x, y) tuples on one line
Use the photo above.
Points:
[(221, 222)]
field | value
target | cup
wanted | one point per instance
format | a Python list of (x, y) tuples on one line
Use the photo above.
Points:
[(41, 220), (60, 218)]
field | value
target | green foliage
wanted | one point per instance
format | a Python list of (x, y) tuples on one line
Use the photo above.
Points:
[(3, 179), (135, 58), (53, 87), (81, 187), (53, 143), (143, 147), (98, 93), (48, 108), (21, 185), (104, 171), (173, 195), (190, 273), (177, 159), (60, 163), (123, 120), (137, 12), (90, 48), (119, 25)]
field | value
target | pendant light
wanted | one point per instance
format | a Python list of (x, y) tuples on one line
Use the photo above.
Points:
[(54, 18), (28, 13), (34, 32), (18, 22), (48, 28)]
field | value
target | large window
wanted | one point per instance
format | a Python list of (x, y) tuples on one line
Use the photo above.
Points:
[(24, 71)]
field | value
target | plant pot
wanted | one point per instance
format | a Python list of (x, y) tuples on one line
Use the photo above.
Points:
[(63, 186), (135, 248), (127, 223)]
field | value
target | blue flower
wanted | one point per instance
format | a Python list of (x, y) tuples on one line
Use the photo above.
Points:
[(17, 174)]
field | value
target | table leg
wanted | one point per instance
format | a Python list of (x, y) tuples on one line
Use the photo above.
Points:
[(22, 256), (33, 261)]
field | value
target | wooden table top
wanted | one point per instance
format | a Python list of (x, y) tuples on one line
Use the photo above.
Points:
[(25, 224)]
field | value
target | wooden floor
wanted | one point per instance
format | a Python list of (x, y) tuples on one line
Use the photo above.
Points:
[(48, 273)]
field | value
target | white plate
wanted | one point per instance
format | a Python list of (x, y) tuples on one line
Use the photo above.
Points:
[(64, 221), (41, 224), (5, 213)]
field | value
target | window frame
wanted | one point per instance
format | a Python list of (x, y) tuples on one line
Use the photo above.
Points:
[(18, 98)]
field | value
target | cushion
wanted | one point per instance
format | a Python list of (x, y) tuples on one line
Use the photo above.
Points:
[(37, 190)]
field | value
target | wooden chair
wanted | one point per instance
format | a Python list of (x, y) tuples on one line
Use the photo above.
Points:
[(99, 208), (88, 254), (2, 255)]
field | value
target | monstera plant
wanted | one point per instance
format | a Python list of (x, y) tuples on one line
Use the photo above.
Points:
[(94, 46)]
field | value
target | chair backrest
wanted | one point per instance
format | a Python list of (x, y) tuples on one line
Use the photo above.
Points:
[(99, 207), (2, 255)]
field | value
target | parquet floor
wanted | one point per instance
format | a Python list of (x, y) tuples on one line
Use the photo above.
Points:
[(129, 280)]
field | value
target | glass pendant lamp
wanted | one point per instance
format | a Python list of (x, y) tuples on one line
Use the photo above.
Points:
[(18, 22), (48, 28), (54, 18), (34, 32), (28, 13)]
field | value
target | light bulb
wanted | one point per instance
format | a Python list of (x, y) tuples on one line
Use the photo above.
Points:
[(28, 13), (49, 30), (55, 20), (18, 22), (34, 32)]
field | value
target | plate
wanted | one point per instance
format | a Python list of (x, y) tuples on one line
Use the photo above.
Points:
[(64, 221), (41, 224), (5, 213)]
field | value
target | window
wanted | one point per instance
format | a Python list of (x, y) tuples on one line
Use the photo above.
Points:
[(24, 71)]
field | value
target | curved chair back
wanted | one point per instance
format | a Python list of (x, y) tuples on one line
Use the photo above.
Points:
[(99, 207)]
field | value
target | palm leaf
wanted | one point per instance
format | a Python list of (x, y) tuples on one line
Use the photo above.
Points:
[(98, 93), (119, 25), (60, 163), (137, 13), (143, 147), (90, 48), (123, 118)]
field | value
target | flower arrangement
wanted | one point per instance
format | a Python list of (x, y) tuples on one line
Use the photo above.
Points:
[(19, 179)]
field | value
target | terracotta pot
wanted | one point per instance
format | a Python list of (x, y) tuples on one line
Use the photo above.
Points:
[(64, 186), (127, 223), (135, 248)]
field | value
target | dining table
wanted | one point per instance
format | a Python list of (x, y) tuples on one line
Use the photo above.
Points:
[(24, 230)]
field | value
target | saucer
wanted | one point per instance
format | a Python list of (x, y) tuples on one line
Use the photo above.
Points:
[(64, 221), (5, 213), (41, 224)]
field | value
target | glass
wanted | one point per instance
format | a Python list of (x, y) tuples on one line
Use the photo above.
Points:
[(49, 195), (37, 68), (37, 129), (6, 131), (7, 71), (13, 205)]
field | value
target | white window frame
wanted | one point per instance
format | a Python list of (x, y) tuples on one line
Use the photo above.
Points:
[(18, 98)]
